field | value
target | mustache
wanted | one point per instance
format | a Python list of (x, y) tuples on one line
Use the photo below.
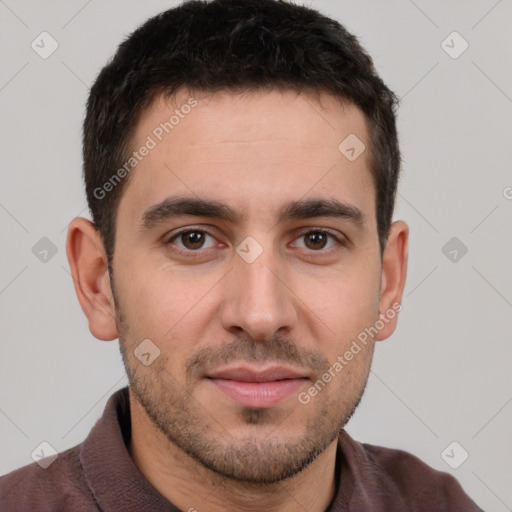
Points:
[(277, 349)]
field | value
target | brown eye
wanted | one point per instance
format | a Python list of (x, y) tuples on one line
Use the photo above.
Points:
[(317, 240), (191, 240)]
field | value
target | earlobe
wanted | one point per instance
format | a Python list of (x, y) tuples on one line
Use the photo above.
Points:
[(88, 263), (394, 273)]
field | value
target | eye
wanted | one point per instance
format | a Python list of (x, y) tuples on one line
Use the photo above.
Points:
[(192, 239), (317, 239)]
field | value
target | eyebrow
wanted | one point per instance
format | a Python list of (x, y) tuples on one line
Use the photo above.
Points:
[(174, 207)]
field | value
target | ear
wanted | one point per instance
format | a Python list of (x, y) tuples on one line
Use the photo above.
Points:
[(394, 273), (89, 269)]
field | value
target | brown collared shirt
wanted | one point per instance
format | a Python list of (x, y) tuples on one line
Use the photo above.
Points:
[(99, 475)]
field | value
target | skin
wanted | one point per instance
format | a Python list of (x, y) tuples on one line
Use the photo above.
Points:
[(301, 303)]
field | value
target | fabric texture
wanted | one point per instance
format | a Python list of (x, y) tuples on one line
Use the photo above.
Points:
[(99, 475)]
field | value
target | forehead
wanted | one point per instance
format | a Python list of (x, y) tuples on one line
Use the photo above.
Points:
[(250, 150), (258, 113)]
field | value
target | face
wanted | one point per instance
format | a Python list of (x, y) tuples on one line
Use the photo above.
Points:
[(252, 299)]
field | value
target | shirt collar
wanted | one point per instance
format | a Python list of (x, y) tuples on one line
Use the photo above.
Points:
[(117, 484), (111, 474)]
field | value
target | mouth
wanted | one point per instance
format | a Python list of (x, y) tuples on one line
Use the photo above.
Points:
[(250, 386)]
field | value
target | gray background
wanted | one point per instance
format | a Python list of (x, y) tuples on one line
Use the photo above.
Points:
[(444, 376)]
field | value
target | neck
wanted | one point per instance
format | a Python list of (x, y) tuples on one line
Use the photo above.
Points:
[(191, 487)]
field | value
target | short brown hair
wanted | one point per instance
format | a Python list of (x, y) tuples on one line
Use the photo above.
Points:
[(236, 45)]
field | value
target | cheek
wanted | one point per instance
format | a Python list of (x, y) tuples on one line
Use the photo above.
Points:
[(347, 311), (148, 292), (345, 303), (172, 312), (144, 300)]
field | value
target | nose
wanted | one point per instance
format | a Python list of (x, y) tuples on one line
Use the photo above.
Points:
[(259, 298)]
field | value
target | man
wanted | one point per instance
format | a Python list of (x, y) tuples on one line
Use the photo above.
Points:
[(241, 162)]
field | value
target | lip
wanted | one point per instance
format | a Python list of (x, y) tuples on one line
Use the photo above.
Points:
[(257, 387), (255, 374)]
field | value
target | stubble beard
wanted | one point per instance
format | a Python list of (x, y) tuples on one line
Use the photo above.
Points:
[(183, 421)]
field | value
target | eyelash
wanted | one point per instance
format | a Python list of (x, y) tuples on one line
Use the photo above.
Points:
[(197, 253)]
